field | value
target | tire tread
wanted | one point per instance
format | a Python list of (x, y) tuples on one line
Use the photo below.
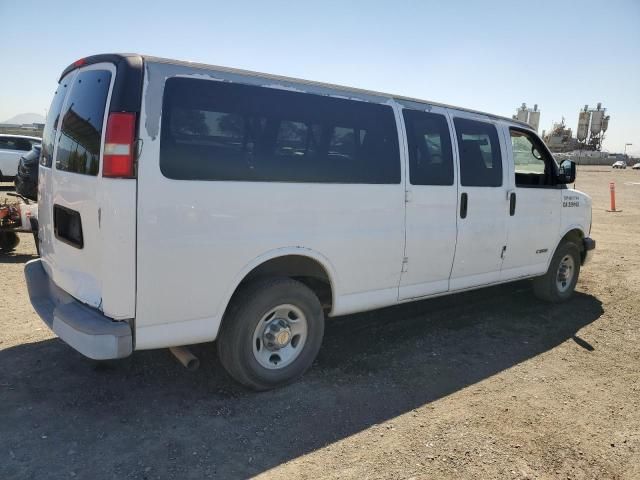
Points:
[(544, 287), (233, 330)]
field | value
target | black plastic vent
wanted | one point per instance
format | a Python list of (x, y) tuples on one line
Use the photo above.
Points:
[(68, 226)]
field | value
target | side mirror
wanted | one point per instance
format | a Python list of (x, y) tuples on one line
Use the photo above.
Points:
[(566, 172)]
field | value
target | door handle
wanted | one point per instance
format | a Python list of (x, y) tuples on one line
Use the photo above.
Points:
[(463, 205), (512, 203)]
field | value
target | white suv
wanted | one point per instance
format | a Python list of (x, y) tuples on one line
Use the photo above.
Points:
[(184, 203), (12, 147)]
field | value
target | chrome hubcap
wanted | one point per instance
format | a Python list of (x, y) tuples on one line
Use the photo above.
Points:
[(566, 270), (280, 336)]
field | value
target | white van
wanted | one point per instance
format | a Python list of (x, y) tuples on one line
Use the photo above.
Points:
[(184, 203)]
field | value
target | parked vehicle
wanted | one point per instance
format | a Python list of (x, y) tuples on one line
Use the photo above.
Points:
[(620, 164), (184, 203), (12, 147), (636, 166), (27, 177)]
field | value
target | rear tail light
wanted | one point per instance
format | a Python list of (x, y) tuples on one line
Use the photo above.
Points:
[(118, 158)]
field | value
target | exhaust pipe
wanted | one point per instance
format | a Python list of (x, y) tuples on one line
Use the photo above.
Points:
[(186, 358)]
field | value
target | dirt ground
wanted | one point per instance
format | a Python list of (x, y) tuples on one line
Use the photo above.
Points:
[(482, 385)]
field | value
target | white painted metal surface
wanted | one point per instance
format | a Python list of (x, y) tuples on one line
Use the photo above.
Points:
[(200, 238), (173, 255), (482, 235), (534, 227), (431, 212), (102, 273)]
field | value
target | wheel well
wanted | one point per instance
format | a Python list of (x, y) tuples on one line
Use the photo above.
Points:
[(576, 236), (301, 268)]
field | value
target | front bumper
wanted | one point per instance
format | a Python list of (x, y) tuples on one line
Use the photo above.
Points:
[(85, 329), (589, 245)]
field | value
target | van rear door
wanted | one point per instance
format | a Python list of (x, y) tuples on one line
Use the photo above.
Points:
[(87, 221)]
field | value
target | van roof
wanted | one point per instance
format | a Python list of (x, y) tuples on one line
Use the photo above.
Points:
[(115, 58)]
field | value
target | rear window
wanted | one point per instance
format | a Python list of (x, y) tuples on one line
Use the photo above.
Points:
[(223, 131), (53, 122), (81, 125)]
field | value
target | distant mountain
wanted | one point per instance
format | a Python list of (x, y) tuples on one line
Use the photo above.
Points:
[(26, 118)]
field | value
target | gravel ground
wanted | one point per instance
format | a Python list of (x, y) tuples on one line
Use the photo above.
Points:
[(486, 384)]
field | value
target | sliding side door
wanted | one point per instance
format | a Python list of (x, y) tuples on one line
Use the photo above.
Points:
[(483, 204), (431, 203)]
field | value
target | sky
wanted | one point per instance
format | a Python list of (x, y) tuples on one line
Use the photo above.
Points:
[(485, 55)]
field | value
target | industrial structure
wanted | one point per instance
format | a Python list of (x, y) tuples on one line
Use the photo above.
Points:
[(560, 138), (592, 125), (528, 115)]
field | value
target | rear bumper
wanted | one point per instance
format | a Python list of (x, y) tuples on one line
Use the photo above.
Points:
[(589, 249), (84, 328)]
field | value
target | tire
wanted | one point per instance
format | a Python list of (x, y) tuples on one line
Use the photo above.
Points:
[(262, 315), (8, 241), (550, 287), (35, 239)]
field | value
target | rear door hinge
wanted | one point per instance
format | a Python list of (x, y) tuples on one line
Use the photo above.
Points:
[(405, 262), (504, 249), (407, 196)]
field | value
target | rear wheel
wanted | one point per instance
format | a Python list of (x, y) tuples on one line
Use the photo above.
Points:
[(271, 333), (559, 283), (8, 241)]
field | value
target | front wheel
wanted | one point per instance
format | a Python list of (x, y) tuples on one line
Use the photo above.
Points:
[(271, 333), (559, 283)]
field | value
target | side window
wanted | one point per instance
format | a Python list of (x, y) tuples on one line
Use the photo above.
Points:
[(229, 131), (480, 158), (23, 144), (81, 125), (224, 130), (292, 139), (53, 122), (6, 143), (532, 165), (345, 142), (13, 143), (430, 157)]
